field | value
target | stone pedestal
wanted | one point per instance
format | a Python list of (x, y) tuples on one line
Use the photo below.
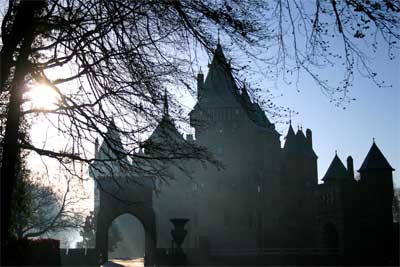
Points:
[(178, 235)]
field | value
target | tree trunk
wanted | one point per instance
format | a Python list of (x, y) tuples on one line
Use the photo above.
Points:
[(8, 173)]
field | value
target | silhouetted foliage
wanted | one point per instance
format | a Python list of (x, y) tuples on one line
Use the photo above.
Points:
[(88, 234)]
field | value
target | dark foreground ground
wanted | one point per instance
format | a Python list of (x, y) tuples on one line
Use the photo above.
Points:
[(124, 262)]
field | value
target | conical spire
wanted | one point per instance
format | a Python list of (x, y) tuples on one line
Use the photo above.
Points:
[(375, 160), (336, 171), (219, 56), (290, 132), (219, 81), (290, 139)]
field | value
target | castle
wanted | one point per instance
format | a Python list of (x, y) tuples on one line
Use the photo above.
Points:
[(267, 198)]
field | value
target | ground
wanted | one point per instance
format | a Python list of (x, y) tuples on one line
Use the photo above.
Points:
[(124, 262)]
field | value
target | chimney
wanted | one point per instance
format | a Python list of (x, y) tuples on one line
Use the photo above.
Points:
[(309, 137), (200, 83), (350, 167)]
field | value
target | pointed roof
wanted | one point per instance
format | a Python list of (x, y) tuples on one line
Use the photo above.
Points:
[(254, 111), (300, 135), (375, 160), (290, 133), (245, 96), (336, 171), (165, 129), (289, 138), (297, 144), (112, 145), (219, 56), (219, 82), (220, 90)]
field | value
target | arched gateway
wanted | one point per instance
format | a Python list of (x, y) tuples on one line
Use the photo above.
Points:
[(125, 198), (117, 193)]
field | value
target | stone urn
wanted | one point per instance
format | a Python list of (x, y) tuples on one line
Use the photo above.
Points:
[(178, 235)]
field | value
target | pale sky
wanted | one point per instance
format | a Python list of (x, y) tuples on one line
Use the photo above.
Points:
[(350, 131)]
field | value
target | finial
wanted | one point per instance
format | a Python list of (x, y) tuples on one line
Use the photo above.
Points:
[(200, 71), (373, 140), (218, 38), (290, 117), (165, 103), (335, 152)]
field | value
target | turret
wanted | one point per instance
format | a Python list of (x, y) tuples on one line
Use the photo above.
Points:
[(336, 171), (376, 173), (165, 136), (377, 191)]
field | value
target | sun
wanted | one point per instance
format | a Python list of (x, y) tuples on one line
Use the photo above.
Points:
[(42, 97)]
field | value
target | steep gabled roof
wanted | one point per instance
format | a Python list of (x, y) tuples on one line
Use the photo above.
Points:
[(111, 146), (298, 144), (255, 112), (219, 86), (165, 131), (290, 136), (375, 160), (336, 171), (220, 90)]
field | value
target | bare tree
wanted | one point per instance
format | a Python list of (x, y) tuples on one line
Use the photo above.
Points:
[(43, 209), (122, 55)]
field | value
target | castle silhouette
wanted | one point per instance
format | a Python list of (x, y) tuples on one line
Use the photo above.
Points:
[(265, 203)]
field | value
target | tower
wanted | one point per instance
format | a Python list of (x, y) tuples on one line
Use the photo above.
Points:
[(376, 183), (339, 202), (298, 181)]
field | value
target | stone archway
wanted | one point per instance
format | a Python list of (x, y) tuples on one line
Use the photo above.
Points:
[(135, 200), (126, 238)]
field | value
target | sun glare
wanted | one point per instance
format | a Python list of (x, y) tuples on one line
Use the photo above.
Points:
[(42, 97)]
